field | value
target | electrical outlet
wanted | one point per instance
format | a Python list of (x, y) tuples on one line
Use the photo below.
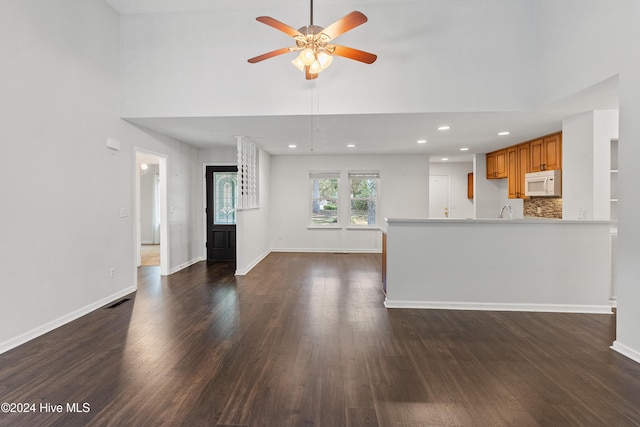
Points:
[(112, 272)]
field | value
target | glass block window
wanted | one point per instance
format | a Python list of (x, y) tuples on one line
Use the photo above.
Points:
[(324, 198), (364, 198), (248, 164), (225, 197)]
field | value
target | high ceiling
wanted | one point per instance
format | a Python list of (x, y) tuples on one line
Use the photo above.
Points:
[(370, 133)]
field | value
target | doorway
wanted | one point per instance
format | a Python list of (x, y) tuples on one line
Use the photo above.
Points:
[(222, 192), (151, 230), (439, 196)]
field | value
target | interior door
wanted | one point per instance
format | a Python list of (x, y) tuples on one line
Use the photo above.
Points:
[(222, 184), (439, 196)]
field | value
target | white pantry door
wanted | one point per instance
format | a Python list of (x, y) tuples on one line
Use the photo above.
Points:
[(439, 196)]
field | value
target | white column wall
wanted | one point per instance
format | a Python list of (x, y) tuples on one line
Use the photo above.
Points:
[(253, 231), (577, 166), (577, 53)]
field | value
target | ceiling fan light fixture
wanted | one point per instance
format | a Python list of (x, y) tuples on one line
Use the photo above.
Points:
[(313, 43), (324, 59), (307, 56), (297, 62), (315, 67)]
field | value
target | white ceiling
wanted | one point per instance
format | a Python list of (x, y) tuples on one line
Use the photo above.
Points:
[(370, 133)]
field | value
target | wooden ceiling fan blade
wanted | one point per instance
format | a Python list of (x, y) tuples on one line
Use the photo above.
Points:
[(355, 54), (279, 25), (308, 75), (344, 24), (270, 55)]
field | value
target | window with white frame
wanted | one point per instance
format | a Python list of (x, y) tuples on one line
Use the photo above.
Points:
[(363, 209), (324, 198)]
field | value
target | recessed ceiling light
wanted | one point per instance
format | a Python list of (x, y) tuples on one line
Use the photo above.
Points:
[(422, 141), (444, 159), (464, 149), (292, 146), (351, 145), (445, 127), (503, 133)]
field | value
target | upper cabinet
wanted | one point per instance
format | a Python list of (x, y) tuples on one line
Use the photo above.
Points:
[(497, 164), (546, 153), (518, 160), (514, 162)]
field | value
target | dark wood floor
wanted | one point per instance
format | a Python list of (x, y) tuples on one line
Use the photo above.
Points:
[(304, 340)]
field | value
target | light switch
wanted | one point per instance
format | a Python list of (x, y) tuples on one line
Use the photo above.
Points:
[(124, 212)]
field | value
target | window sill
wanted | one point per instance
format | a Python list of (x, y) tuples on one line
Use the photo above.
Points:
[(364, 227), (324, 227)]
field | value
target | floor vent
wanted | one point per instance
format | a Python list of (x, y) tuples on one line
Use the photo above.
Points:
[(122, 301)]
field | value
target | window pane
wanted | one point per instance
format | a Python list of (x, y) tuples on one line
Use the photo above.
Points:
[(363, 212), (224, 197), (324, 201), (324, 212), (364, 187), (325, 188)]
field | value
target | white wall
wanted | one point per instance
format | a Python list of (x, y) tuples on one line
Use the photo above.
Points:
[(218, 156), (253, 232), (586, 141), (424, 265), (577, 166), (628, 250), (62, 190), (174, 63), (576, 53), (459, 205), (404, 192), (184, 197)]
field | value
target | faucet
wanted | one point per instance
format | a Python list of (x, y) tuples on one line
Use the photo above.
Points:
[(508, 207)]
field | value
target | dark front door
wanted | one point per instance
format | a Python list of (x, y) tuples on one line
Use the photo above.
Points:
[(222, 183)]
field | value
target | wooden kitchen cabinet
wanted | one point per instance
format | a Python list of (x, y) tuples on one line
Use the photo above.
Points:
[(518, 160), (470, 185), (497, 164), (546, 153)]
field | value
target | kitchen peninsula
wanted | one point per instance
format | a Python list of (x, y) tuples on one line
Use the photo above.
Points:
[(498, 264)]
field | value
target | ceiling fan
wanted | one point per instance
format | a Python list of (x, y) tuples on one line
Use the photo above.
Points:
[(314, 43)]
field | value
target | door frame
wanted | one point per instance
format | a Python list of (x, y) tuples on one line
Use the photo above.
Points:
[(204, 203), (164, 211)]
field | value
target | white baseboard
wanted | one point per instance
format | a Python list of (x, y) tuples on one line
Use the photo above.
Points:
[(70, 317), (324, 250), (244, 271), (557, 308), (185, 265), (626, 351)]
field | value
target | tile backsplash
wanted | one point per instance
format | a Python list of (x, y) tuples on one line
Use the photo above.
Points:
[(543, 207)]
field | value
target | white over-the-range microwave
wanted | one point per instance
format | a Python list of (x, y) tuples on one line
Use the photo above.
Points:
[(543, 184)]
